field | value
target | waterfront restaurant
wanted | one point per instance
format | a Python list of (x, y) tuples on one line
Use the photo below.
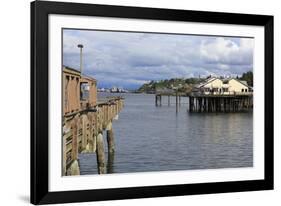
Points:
[(217, 86)]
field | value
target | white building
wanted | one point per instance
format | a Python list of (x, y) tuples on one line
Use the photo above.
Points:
[(230, 86)]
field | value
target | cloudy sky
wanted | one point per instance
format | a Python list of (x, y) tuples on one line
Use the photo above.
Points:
[(129, 59)]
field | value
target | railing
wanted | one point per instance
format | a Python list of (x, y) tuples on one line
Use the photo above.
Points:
[(81, 129), (232, 93)]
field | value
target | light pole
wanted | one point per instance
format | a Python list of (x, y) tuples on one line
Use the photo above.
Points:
[(81, 47)]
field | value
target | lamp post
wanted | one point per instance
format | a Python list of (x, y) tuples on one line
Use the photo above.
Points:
[(81, 47)]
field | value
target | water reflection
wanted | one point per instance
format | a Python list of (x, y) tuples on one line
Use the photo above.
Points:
[(110, 162)]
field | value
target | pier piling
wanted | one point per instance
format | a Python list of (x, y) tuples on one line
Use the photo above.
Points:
[(220, 103), (158, 100), (100, 154), (168, 100), (110, 138)]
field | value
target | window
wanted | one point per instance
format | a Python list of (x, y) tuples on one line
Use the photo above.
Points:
[(242, 90), (84, 91)]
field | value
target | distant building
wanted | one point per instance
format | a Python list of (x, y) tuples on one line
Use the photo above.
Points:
[(118, 90), (230, 86), (114, 89)]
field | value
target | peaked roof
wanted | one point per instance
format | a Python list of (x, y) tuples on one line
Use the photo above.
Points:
[(83, 76), (241, 82), (225, 81), (207, 81), (70, 68)]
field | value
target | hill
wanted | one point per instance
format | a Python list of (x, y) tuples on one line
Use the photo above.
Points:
[(184, 85), (177, 84)]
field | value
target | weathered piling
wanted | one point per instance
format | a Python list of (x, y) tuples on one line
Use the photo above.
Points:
[(168, 100), (169, 93), (220, 103), (81, 130), (100, 154), (110, 138), (110, 162), (177, 102), (111, 148), (73, 169), (158, 100)]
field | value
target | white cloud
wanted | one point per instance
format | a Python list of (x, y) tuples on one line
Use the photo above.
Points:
[(225, 51), (133, 58)]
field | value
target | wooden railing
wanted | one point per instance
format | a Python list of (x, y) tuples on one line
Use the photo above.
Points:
[(81, 129), (232, 93)]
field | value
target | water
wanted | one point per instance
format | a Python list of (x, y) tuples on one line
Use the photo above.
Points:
[(150, 138)]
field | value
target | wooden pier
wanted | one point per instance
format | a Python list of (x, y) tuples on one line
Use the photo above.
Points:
[(198, 102), (85, 118), (83, 133), (220, 103), (160, 93)]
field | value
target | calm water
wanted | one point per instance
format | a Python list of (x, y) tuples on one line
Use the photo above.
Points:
[(150, 138)]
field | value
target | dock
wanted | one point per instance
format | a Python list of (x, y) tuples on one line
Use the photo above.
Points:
[(85, 119), (220, 103), (213, 95), (168, 92)]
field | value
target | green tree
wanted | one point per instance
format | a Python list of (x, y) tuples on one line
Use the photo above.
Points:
[(247, 76)]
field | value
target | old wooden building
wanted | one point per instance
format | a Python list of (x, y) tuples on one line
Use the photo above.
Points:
[(221, 95), (84, 120)]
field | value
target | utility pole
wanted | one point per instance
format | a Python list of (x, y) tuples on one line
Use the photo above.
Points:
[(81, 63)]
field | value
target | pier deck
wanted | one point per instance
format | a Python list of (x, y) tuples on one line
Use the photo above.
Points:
[(83, 130), (220, 102), (85, 117)]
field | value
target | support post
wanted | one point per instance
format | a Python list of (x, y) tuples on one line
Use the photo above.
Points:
[(110, 138), (100, 154), (94, 147), (156, 100), (190, 103), (111, 148), (168, 100), (176, 101)]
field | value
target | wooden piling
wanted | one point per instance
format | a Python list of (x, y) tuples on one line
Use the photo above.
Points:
[(220, 103), (100, 154), (82, 133), (110, 138), (177, 102), (74, 140), (168, 100), (94, 143), (110, 163)]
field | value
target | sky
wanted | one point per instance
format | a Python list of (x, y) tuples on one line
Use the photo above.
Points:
[(130, 59)]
